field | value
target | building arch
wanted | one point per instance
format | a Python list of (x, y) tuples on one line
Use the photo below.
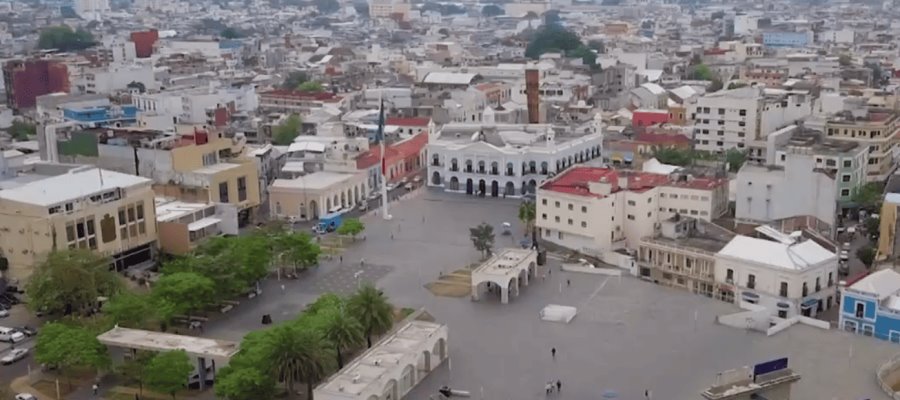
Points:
[(510, 169), (435, 160), (495, 189), (436, 178), (469, 166), (390, 390), (343, 200), (481, 167), (407, 378), (495, 168), (440, 350), (356, 194), (327, 204), (335, 203), (470, 186), (454, 164), (544, 168), (510, 189), (313, 209), (454, 183), (532, 186), (482, 187), (532, 167)]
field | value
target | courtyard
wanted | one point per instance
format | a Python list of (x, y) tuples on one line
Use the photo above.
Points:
[(628, 336)]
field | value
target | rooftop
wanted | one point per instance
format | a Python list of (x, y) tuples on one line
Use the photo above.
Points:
[(395, 151), (170, 210), (449, 78), (216, 168), (507, 262), (300, 95), (75, 184), (576, 180), (159, 341), (882, 284), (793, 257), (314, 181)]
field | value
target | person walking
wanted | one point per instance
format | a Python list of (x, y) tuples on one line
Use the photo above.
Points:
[(282, 289), (558, 385), (553, 352), (568, 282), (96, 388), (548, 388), (341, 258)]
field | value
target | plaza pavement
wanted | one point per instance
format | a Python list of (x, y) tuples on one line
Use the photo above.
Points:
[(629, 335)]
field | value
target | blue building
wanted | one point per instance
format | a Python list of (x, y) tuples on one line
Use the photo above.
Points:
[(786, 39), (102, 115), (871, 306)]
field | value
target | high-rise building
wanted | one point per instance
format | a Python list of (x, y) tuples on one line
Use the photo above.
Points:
[(25, 80)]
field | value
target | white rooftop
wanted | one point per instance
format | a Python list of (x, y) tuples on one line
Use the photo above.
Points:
[(882, 284), (169, 210), (506, 262), (76, 184), (158, 341), (216, 168), (796, 257), (314, 181), (450, 78), (306, 145)]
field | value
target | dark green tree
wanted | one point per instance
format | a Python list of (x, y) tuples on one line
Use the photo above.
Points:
[(70, 281), (327, 6), (587, 56), (735, 159), (294, 79), (63, 38), (866, 255), (597, 45), (492, 10), (552, 38), (351, 227), (285, 133), (134, 369), (132, 310), (184, 292), (371, 308), (298, 353), (230, 33), (21, 130), (527, 214), (868, 196), (66, 347), (483, 238), (310, 86), (344, 332)]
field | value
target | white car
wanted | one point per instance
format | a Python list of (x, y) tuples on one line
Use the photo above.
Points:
[(13, 356), (25, 396), (845, 255), (4, 313)]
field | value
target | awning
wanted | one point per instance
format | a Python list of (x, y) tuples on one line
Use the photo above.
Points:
[(809, 303), (750, 295), (203, 223), (784, 305)]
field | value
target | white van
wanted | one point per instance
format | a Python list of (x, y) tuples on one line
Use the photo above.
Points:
[(11, 335)]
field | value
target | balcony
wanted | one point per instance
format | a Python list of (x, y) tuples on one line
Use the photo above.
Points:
[(495, 171), (454, 169), (469, 170), (435, 163), (510, 172)]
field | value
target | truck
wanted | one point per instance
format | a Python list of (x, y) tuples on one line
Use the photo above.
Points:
[(328, 222)]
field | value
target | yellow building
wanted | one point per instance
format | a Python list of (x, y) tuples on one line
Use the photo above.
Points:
[(887, 229), (183, 226), (106, 211), (877, 130)]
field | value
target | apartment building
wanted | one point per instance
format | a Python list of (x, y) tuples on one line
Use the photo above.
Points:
[(683, 255), (192, 165), (875, 129), (25, 80), (296, 102), (731, 119), (80, 207), (184, 226), (600, 209), (787, 275)]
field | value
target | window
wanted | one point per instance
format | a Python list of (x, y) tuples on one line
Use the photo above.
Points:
[(242, 188), (648, 200), (742, 113), (91, 229), (845, 192), (848, 163), (751, 281), (583, 224), (860, 309), (729, 275), (140, 211), (209, 159), (556, 218), (631, 217), (570, 221), (571, 207), (721, 111), (845, 178), (631, 202), (557, 204), (783, 292), (70, 232), (544, 201), (867, 330), (131, 214), (543, 216), (122, 216), (584, 209), (223, 192), (742, 123)]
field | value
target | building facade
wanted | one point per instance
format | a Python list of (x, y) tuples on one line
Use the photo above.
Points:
[(871, 306), (25, 80), (876, 131)]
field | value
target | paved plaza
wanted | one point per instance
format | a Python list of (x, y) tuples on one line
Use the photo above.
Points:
[(628, 336)]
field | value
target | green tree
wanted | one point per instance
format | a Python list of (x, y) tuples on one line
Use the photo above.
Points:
[(131, 310), (868, 196), (134, 369), (66, 347), (230, 33), (310, 86), (866, 255), (703, 73), (344, 332), (298, 249), (715, 86), (371, 308), (845, 60), (552, 38), (527, 214), (168, 372), (285, 133), (21, 130), (597, 45), (672, 156), (873, 224), (244, 383), (492, 10), (294, 79), (184, 292), (327, 6), (352, 227), (70, 281), (735, 159), (483, 238), (587, 56), (63, 38), (736, 85), (298, 353)]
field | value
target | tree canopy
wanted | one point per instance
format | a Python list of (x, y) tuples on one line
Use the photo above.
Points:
[(71, 281), (327, 6), (868, 196), (184, 292), (132, 310), (66, 347), (285, 133), (230, 33), (310, 86), (735, 159), (483, 238), (167, 372), (294, 79), (552, 38), (527, 214), (703, 73), (21, 130), (866, 255), (352, 227), (63, 38), (492, 10), (371, 308)]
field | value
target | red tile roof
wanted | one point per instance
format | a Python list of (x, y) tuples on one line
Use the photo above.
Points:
[(393, 153), (663, 138), (575, 181), (401, 121)]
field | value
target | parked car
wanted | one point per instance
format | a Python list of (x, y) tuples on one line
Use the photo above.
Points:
[(4, 313), (13, 356), (363, 206), (25, 396), (845, 255), (27, 331)]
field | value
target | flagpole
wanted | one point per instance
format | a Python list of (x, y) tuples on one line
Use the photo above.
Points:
[(380, 136)]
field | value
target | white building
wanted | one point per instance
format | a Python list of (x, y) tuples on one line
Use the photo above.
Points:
[(91, 9), (799, 188), (789, 276), (601, 209), (733, 118), (107, 80), (505, 159)]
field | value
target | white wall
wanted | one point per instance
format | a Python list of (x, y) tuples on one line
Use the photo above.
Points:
[(767, 195)]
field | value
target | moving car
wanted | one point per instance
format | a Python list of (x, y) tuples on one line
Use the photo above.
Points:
[(845, 255), (13, 356), (10, 335), (4, 312)]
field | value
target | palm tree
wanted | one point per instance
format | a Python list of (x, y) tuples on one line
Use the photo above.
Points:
[(482, 238), (343, 331), (298, 353), (527, 214), (372, 310)]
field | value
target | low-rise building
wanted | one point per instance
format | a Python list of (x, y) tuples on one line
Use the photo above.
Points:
[(183, 226), (871, 306), (79, 207), (875, 129), (789, 276), (309, 196)]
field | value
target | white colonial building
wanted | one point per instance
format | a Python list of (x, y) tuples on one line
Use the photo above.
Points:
[(788, 275), (497, 160)]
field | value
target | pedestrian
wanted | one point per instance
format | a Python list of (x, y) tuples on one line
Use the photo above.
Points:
[(342, 258), (558, 385), (548, 387), (392, 235), (553, 353), (549, 271), (96, 388), (543, 277), (568, 282), (362, 262), (282, 289)]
